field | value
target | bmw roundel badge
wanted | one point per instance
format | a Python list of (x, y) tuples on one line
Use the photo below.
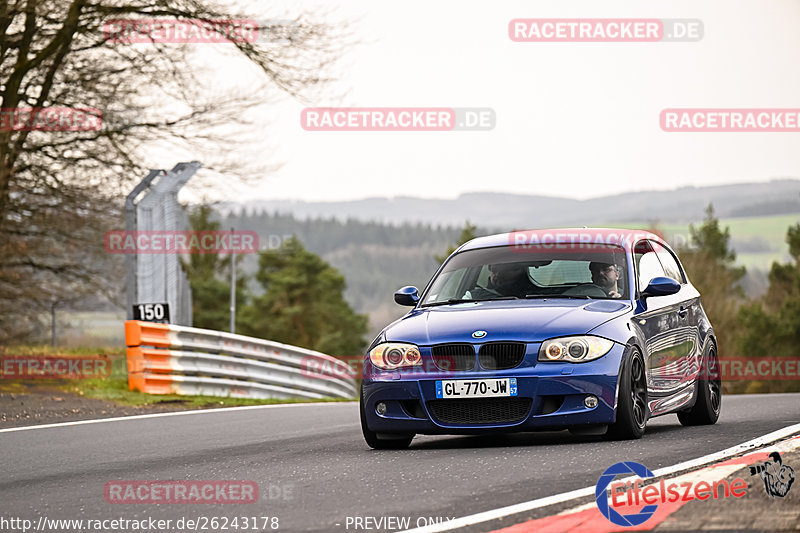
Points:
[(479, 334)]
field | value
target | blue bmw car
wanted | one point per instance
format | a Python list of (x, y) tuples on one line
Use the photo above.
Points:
[(591, 330)]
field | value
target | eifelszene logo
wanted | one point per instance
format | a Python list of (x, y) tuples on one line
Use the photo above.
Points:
[(627, 467), (641, 501)]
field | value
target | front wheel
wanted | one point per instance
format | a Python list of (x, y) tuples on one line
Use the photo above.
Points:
[(632, 401), (400, 442), (706, 408)]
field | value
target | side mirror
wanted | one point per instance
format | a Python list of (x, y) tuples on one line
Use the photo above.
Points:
[(661, 286), (407, 296)]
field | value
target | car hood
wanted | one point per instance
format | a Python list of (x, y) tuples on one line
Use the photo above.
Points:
[(526, 321)]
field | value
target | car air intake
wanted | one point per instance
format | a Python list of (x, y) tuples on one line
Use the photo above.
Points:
[(481, 410), (501, 355), (454, 357)]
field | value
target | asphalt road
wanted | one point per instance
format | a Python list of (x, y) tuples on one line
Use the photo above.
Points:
[(314, 470)]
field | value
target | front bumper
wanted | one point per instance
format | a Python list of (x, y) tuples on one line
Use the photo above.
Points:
[(556, 392)]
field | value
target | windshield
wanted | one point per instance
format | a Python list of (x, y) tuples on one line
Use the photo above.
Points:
[(540, 271)]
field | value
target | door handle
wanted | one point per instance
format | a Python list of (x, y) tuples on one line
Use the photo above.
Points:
[(683, 312)]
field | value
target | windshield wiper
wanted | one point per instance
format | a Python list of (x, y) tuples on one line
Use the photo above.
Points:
[(465, 300), (546, 296), (448, 302)]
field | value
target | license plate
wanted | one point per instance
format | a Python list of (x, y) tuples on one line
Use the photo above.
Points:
[(476, 388)]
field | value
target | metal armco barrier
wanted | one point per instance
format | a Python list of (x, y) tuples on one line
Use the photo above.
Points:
[(168, 359)]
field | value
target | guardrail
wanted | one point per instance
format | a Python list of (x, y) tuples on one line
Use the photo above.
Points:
[(167, 359)]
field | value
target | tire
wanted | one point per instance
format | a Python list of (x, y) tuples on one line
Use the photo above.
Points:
[(708, 404), (632, 401), (401, 442)]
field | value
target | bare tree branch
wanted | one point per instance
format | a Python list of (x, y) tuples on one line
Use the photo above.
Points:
[(60, 190)]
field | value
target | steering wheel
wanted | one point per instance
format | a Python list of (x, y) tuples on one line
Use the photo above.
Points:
[(586, 289), (477, 287)]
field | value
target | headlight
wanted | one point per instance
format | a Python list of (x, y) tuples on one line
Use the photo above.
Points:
[(392, 355), (576, 349)]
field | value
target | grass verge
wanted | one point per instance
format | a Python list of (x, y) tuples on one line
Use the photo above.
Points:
[(115, 387)]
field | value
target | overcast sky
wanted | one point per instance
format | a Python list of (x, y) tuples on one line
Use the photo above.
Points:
[(573, 119)]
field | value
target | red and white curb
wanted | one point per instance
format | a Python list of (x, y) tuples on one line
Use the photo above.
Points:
[(588, 518)]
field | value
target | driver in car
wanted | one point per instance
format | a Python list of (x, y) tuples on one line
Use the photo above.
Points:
[(505, 279), (606, 276)]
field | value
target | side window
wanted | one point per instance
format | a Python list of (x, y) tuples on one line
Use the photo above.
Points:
[(669, 263), (647, 264)]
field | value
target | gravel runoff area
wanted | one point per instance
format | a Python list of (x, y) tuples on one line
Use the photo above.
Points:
[(48, 405)]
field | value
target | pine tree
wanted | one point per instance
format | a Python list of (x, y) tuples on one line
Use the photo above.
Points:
[(771, 326), (711, 266), (467, 234), (303, 303), (209, 278)]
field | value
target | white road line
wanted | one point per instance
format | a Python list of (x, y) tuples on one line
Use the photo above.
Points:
[(171, 413), (589, 491)]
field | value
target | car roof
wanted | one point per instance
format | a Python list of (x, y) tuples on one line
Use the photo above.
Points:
[(626, 238)]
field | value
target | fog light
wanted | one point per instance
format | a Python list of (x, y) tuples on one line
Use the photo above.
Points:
[(380, 408), (590, 401)]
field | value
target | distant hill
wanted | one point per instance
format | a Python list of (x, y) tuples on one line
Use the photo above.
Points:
[(377, 258), (503, 210)]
